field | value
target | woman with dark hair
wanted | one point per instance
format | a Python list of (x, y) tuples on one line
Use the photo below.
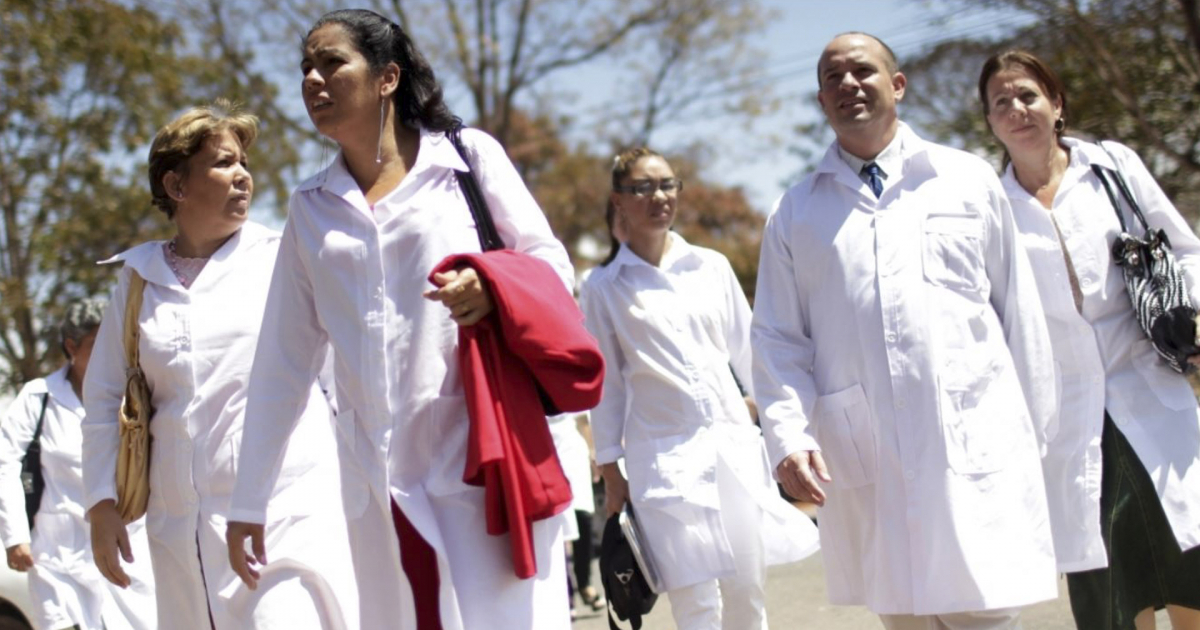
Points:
[(353, 273), (1123, 467), (66, 589), (672, 321), (198, 325)]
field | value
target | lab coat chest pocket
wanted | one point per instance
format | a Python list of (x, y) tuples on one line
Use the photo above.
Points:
[(976, 423), (952, 250), (846, 435)]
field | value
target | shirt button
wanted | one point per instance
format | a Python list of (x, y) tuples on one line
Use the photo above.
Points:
[(910, 475), (1086, 282), (891, 337), (899, 403)]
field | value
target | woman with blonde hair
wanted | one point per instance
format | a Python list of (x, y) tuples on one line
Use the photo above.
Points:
[(198, 327)]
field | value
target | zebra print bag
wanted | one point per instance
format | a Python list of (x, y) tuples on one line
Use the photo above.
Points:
[(1153, 279)]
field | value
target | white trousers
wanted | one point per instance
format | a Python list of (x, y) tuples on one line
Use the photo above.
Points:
[(999, 619), (737, 602)]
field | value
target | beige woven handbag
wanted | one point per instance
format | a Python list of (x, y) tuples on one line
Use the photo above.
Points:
[(133, 458)]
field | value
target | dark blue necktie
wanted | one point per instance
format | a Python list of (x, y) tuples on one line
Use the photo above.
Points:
[(873, 178)]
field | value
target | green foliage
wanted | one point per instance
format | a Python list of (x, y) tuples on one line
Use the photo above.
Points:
[(1131, 67), (87, 83)]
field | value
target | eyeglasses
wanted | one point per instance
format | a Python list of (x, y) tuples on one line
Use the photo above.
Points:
[(647, 188)]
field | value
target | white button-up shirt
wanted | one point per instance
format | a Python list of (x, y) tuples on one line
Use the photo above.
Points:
[(351, 276), (196, 347), (903, 338), (1104, 360), (66, 586), (671, 335)]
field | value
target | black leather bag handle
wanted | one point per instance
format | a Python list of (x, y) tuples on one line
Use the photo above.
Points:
[(489, 238)]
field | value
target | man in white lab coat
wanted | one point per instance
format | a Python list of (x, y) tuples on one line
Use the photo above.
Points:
[(903, 368)]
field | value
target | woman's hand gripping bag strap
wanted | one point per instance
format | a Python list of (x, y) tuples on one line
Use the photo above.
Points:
[(1153, 278), (133, 456)]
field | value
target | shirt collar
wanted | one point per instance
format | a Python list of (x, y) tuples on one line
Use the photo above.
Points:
[(890, 159), (147, 258), (60, 390), (909, 147), (435, 150), (1081, 155), (679, 251)]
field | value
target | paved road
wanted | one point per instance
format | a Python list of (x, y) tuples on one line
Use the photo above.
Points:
[(796, 600)]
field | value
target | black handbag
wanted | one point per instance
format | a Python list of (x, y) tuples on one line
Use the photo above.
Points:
[(1153, 278), (31, 468), (489, 238), (625, 585)]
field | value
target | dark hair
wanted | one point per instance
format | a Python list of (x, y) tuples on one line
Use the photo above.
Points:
[(889, 55), (614, 245), (1037, 70), (622, 165), (419, 99)]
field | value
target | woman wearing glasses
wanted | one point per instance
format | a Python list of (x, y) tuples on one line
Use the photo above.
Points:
[(671, 319)]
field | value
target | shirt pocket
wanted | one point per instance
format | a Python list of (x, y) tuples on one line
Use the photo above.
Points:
[(846, 435), (952, 251), (977, 427)]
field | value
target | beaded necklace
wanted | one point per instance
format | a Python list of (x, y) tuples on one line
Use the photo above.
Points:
[(185, 269)]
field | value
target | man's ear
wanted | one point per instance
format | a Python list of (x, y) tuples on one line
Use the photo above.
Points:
[(899, 82)]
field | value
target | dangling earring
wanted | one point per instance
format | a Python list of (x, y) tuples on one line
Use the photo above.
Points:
[(379, 146), (1059, 125)]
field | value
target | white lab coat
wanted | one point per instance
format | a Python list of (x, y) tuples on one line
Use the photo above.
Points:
[(65, 586), (197, 346), (1104, 359), (352, 276), (903, 338), (576, 462), (671, 408)]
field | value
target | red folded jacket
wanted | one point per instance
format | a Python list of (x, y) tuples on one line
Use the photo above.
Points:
[(534, 337)]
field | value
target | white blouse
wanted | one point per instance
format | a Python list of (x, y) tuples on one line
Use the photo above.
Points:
[(671, 335), (62, 444), (1103, 359)]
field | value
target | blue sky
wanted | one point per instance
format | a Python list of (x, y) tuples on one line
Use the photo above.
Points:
[(756, 157)]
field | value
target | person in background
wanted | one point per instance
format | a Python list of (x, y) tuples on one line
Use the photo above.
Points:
[(1123, 470), (903, 370), (198, 327), (671, 319), (571, 443), (360, 242), (65, 586)]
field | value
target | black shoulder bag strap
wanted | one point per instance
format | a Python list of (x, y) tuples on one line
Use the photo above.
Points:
[(489, 238), (31, 467), (1108, 175)]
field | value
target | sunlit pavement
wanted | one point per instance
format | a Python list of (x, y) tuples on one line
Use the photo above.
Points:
[(796, 599)]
